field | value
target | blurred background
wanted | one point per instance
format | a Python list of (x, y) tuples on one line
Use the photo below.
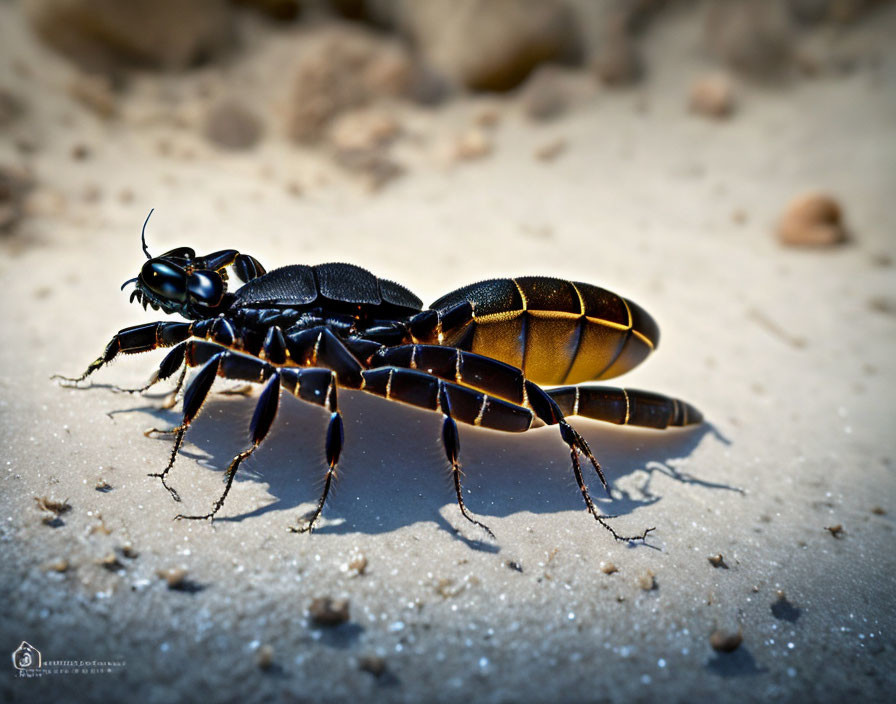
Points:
[(729, 165)]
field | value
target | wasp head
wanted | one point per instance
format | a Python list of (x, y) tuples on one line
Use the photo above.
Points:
[(178, 282)]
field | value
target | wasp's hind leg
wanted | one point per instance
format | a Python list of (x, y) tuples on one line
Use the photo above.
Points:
[(451, 443), (547, 409), (592, 509), (625, 406), (549, 412), (456, 403)]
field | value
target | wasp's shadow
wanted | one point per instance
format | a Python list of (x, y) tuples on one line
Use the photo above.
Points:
[(393, 471)]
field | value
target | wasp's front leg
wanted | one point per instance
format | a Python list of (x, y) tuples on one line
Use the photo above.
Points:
[(133, 340)]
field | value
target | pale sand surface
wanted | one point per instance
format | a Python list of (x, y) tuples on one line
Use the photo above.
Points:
[(788, 353)]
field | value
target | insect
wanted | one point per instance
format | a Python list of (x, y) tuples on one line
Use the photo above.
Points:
[(478, 355)]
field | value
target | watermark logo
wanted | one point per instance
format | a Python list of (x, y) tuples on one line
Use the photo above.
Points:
[(28, 662), (26, 657)]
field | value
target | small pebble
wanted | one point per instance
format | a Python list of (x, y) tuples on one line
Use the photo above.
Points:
[(836, 530), (264, 658), (471, 145), (726, 641), (127, 550), (373, 664), (712, 96), (608, 567), (175, 577), (57, 566), (812, 220), (357, 566), (111, 562), (326, 611), (647, 581), (551, 150), (717, 561)]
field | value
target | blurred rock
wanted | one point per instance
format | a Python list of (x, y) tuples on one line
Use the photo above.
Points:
[(327, 611), (373, 664), (15, 184), (813, 219), (616, 62), (105, 35), (345, 68), (264, 658), (597, 20), (551, 150), (374, 167), (608, 31), (489, 117), (834, 11), (726, 641), (754, 37), (360, 140), (362, 9), (230, 124), (712, 96), (11, 107), (285, 10), (364, 129), (473, 144), (543, 97), (489, 45), (95, 93)]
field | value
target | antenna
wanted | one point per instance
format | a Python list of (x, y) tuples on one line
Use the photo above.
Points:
[(143, 235)]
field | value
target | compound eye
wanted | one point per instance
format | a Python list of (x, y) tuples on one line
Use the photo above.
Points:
[(206, 287), (165, 279)]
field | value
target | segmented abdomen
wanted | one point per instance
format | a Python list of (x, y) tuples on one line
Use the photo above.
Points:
[(556, 331)]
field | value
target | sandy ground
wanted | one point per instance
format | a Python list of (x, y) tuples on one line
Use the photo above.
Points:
[(789, 354)]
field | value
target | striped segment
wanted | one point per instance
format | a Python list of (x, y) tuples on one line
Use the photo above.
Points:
[(556, 331)]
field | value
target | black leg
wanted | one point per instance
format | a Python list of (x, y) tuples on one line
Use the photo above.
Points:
[(451, 442), (491, 376), (592, 509), (172, 362), (194, 397), (262, 419), (426, 390), (319, 347), (441, 327), (625, 406), (133, 340), (314, 385), (320, 388)]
